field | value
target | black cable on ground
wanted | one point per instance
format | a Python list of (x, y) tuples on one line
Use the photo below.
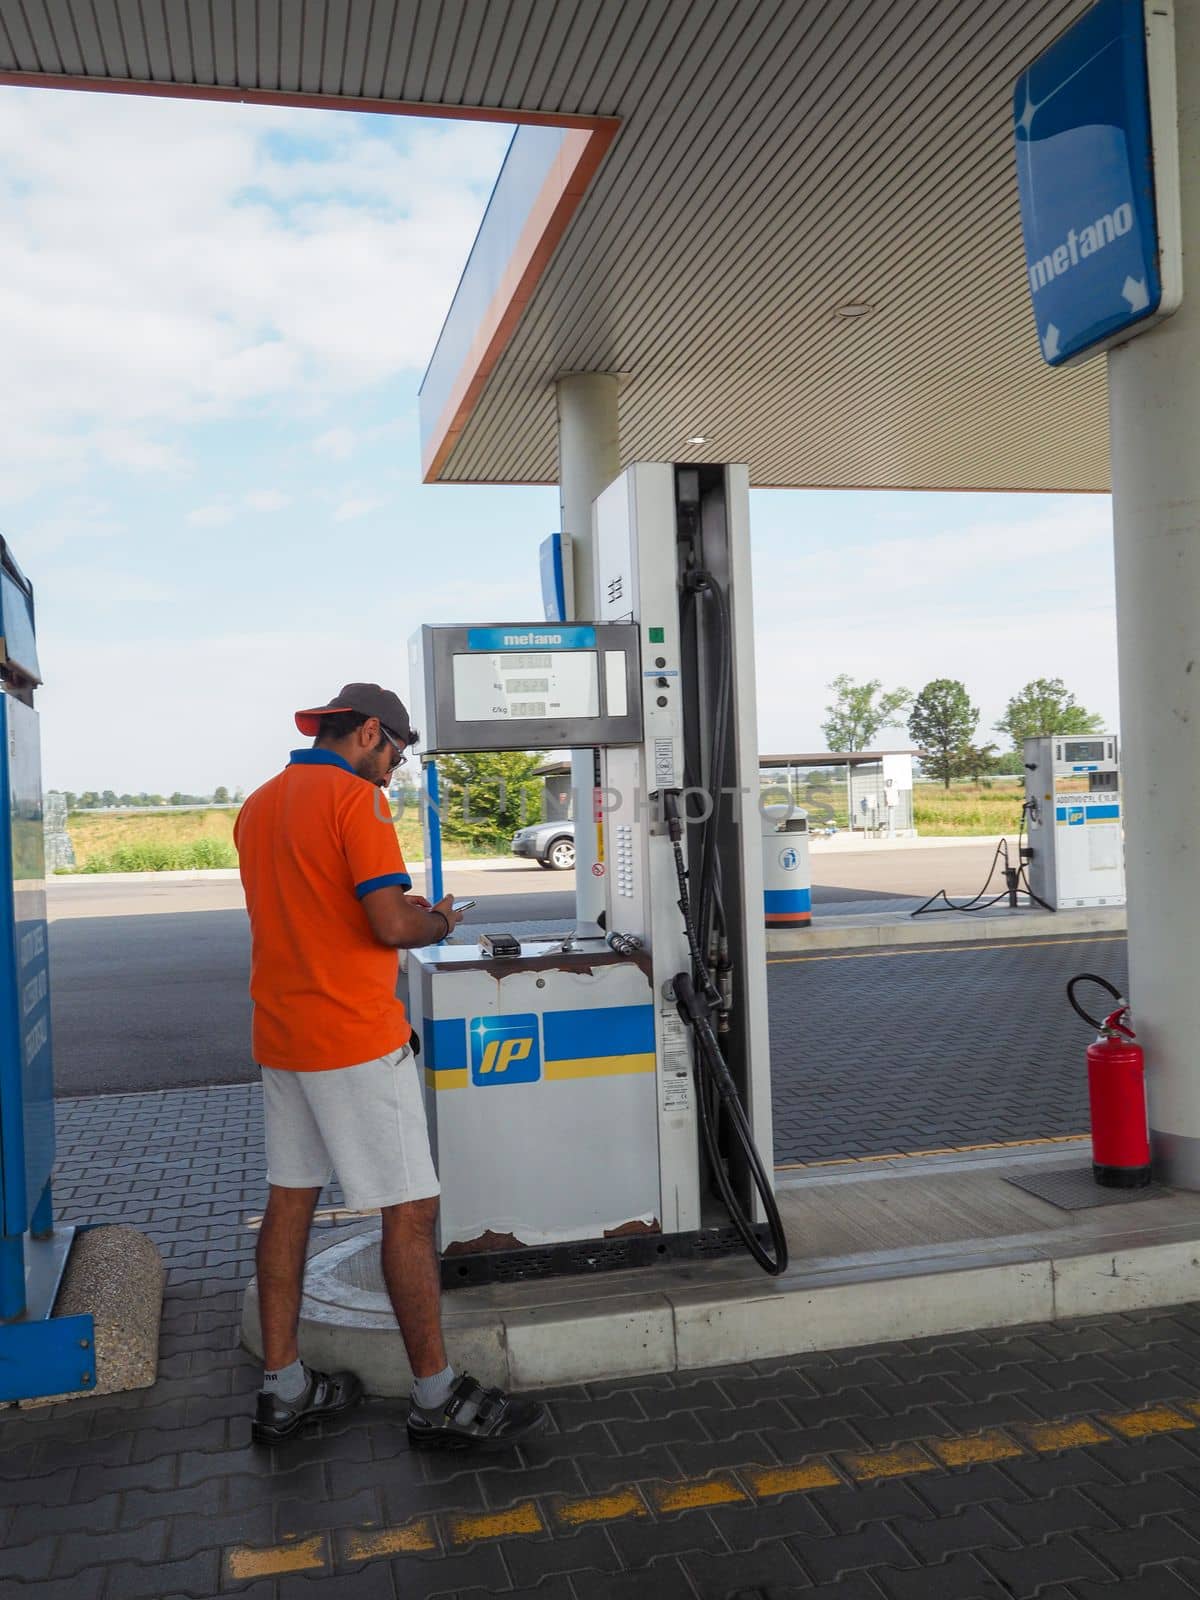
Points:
[(977, 901)]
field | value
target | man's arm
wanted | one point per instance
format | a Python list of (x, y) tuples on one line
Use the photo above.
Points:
[(401, 924)]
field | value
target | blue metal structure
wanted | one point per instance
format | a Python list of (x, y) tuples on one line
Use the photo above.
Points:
[(553, 554), (432, 817), (1085, 153), (39, 1354)]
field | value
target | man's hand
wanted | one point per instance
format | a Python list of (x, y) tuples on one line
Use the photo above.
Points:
[(406, 921), (445, 908)]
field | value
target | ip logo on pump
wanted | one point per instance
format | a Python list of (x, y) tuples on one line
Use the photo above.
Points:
[(505, 1050)]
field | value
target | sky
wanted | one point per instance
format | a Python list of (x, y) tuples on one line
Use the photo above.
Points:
[(214, 321)]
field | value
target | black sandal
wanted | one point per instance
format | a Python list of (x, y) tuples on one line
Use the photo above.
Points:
[(325, 1394), (475, 1418)]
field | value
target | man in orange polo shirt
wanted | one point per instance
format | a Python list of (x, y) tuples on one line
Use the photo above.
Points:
[(329, 903)]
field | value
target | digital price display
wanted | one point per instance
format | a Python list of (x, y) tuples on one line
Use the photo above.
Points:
[(502, 687)]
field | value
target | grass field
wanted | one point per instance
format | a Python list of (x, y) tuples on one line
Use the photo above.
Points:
[(966, 808), (134, 841)]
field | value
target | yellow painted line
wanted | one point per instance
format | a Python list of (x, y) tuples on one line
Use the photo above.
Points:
[(602, 1066), (405, 1538), (943, 950), (948, 1150), (976, 1450), (863, 1465), (524, 1518), (721, 1491), (306, 1555), (1073, 1435), (1141, 1424), (419, 1535), (792, 1480), (601, 1508)]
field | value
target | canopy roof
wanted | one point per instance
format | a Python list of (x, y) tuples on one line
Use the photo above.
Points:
[(791, 224)]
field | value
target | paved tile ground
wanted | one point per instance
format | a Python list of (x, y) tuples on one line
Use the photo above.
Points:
[(917, 1049), (771, 1481)]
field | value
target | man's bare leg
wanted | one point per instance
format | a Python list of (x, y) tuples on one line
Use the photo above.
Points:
[(279, 1261), (412, 1273)]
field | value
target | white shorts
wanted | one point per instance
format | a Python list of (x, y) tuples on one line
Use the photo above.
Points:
[(366, 1123)]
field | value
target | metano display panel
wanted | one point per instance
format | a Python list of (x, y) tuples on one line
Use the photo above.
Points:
[(526, 685)]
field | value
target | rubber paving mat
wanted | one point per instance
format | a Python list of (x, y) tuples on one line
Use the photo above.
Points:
[(1074, 1189)]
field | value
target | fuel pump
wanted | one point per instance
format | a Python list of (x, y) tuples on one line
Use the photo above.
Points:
[(603, 1099), (1076, 854)]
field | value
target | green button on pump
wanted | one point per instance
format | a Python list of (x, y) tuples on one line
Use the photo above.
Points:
[(658, 635)]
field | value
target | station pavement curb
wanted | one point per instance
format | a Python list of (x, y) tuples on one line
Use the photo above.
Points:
[(862, 934), (621, 1331)]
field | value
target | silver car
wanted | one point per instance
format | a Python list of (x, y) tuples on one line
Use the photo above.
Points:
[(550, 844)]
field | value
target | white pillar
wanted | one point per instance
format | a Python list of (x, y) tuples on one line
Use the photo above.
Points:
[(1154, 399), (588, 461)]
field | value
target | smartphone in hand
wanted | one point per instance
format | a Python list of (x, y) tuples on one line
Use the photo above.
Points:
[(465, 905)]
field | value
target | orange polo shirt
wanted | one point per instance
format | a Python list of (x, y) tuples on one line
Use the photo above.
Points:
[(311, 843)]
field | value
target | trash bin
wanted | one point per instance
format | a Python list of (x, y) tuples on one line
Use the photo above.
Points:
[(787, 874)]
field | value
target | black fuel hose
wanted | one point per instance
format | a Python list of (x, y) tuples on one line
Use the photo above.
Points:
[(1091, 977), (695, 1000)]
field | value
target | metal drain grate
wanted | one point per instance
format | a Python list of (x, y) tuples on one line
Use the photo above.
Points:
[(1074, 1189)]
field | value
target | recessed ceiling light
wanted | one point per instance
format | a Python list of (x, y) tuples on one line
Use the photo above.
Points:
[(696, 438), (855, 309)]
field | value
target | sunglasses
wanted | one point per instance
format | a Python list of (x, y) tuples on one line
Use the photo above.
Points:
[(400, 748)]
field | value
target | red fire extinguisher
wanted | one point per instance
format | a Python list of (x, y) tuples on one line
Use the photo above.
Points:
[(1117, 1093)]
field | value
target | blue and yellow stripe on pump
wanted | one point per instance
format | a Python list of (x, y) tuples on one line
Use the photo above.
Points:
[(1080, 816), (598, 1042), (444, 1047)]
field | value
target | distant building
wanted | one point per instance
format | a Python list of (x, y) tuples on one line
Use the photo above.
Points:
[(60, 852)]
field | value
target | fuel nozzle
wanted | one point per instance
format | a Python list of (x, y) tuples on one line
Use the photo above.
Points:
[(669, 800)]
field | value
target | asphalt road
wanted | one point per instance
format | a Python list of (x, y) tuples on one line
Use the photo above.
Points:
[(905, 1050), (149, 976)]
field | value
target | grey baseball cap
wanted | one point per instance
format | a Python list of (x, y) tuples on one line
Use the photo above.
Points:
[(369, 700)]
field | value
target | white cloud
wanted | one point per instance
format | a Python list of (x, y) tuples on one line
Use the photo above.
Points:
[(268, 500), (164, 262), (356, 506), (198, 689), (214, 516), (994, 604), (337, 444)]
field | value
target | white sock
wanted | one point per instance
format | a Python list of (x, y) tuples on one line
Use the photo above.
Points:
[(431, 1394), (288, 1382)]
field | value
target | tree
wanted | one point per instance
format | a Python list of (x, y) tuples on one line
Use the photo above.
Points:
[(1046, 705), (943, 721), (485, 797), (221, 795), (978, 760), (859, 711)]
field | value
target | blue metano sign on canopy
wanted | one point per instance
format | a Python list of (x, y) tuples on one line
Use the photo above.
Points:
[(1086, 145), (554, 553)]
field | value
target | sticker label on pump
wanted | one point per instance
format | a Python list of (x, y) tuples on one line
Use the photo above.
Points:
[(675, 1078), (664, 763)]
